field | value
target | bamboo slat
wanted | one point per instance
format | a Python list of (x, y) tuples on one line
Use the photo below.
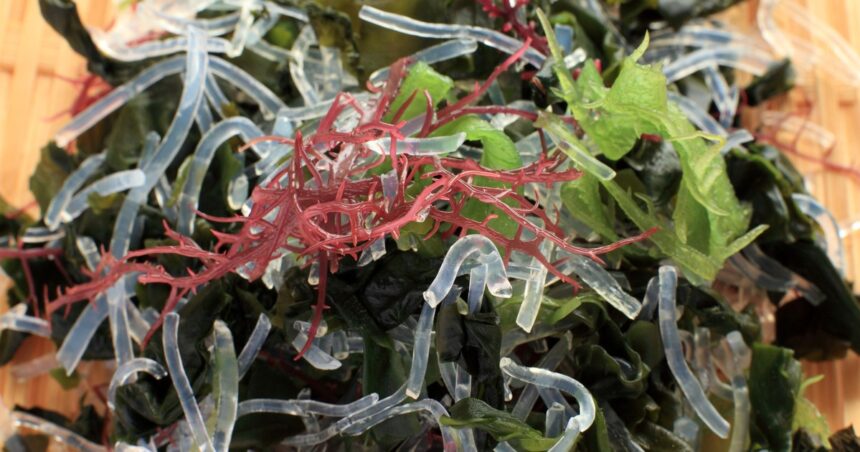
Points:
[(33, 58)]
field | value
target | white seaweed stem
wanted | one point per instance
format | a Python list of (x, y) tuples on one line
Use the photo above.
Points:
[(17, 320), (549, 361), (254, 344), (199, 166), (170, 333), (76, 341), (533, 289), (773, 267), (268, 101), (127, 370), (108, 185), (601, 282), (722, 94), (675, 356), (225, 387), (554, 424), (314, 355), (418, 146), (832, 235), (117, 98), (420, 351), (699, 117), (475, 247), (548, 379), (749, 60), (301, 407), (72, 184), (429, 406), (433, 54), (33, 368), (409, 26), (153, 49), (740, 356), (118, 316)]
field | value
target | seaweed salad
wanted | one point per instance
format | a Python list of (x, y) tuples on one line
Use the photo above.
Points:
[(427, 225)]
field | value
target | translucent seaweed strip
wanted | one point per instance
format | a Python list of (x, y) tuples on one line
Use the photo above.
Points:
[(420, 351), (138, 324), (433, 54), (549, 361), (696, 115), (675, 356), (430, 406), (759, 277), (33, 368), (118, 316), (154, 49), (414, 27), (483, 251), (722, 94), (36, 234), (199, 166), (740, 356), (688, 430), (17, 320), (295, 13), (355, 423), (749, 60), (832, 235), (564, 35), (170, 332), (60, 434), (567, 142), (120, 446), (650, 301), (254, 344), (76, 341), (548, 379), (314, 355), (554, 420), (127, 370), (165, 152), (300, 407), (176, 25), (269, 102), (297, 66), (225, 386), (477, 286), (705, 365), (735, 139), (692, 36), (240, 33), (773, 267), (215, 95), (602, 282), (533, 289), (108, 185), (418, 146), (117, 98), (72, 184)]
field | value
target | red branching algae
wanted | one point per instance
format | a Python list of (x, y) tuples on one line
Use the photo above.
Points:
[(325, 205)]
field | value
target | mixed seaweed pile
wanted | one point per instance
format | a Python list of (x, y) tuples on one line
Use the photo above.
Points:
[(458, 225)]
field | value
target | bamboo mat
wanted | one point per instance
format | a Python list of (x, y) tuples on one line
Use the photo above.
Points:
[(36, 65)]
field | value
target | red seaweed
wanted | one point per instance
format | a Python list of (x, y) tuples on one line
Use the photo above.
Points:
[(330, 207)]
